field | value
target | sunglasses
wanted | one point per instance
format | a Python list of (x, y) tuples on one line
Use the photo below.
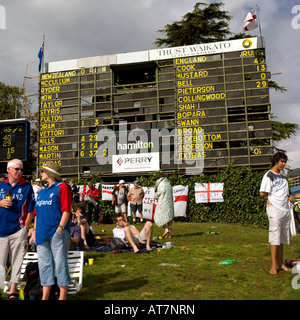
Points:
[(18, 169)]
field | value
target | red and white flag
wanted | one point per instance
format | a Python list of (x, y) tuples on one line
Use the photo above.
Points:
[(107, 191), (82, 190), (180, 198), (209, 192), (149, 204), (180, 195), (250, 22)]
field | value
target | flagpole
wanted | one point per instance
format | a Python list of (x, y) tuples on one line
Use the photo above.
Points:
[(43, 69), (259, 26), (39, 101)]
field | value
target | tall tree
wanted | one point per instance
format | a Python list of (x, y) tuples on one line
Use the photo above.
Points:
[(12, 107), (283, 131), (207, 23), (11, 102)]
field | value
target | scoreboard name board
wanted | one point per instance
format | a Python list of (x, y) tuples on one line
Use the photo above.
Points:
[(168, 109), (14, 137)]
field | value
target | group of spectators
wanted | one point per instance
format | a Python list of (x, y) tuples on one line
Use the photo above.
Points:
[(48, 204), (55, 229), (57, 226)]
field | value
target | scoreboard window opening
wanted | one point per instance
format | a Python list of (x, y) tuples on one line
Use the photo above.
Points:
[(144, 75)]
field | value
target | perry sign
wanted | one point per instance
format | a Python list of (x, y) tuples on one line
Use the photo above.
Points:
[(123, 163)]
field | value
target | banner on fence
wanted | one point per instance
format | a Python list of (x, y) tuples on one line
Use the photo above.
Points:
[(204, 193), (82, 190), (209, 192), (107, 191), (180, 197)]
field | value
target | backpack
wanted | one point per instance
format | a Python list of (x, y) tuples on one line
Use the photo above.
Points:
[(33, 289)]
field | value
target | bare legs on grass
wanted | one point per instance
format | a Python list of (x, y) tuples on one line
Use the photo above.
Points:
[(129, 236), (63, 291), (277, 259), (168, 229)]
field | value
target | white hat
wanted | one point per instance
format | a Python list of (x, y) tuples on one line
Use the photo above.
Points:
[(121, 181)]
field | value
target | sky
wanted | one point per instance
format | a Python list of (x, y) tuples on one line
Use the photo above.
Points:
[(86, 28)]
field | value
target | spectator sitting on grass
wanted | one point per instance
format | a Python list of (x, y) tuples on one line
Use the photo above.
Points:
[(130, 234), (87, 233), (75, 235)]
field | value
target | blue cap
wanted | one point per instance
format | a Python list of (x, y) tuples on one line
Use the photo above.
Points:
[(135, 181)]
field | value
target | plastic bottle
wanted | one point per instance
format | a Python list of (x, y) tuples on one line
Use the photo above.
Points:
[(211, 232), (8, 195), (167, 245), (227, 261), (21, 291)]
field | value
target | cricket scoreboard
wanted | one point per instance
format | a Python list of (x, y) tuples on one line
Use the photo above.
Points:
[(162, 109), (14, 137)]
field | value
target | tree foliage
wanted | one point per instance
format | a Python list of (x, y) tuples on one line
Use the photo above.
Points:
[(207, 23), (11, 102), (12, 107), (274, 85), (284, 131)]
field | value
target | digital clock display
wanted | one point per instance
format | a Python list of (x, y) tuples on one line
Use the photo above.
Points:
[(14, 137)]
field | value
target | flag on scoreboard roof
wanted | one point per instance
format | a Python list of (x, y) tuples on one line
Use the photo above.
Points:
[(40, 55), (250, 22)]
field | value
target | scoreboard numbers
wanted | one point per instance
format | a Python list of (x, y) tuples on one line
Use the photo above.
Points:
[(213, 97), (14, 137)]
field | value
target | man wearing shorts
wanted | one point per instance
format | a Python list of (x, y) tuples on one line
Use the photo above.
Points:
[(132, 235), (135, 196), (119, 199), (275, 187)]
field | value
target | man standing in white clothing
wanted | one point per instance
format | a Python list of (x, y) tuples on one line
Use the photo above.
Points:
[(275, 187), (37, 187)]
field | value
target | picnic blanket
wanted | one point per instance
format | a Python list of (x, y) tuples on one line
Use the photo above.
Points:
[(104, 247)]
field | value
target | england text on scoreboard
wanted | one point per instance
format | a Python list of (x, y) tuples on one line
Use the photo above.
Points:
[(204, 105)]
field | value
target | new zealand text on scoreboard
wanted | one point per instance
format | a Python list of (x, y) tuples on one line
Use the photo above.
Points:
[(14, 137), (213, 97)]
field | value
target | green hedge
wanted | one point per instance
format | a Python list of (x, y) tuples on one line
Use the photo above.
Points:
[(242, 203)]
